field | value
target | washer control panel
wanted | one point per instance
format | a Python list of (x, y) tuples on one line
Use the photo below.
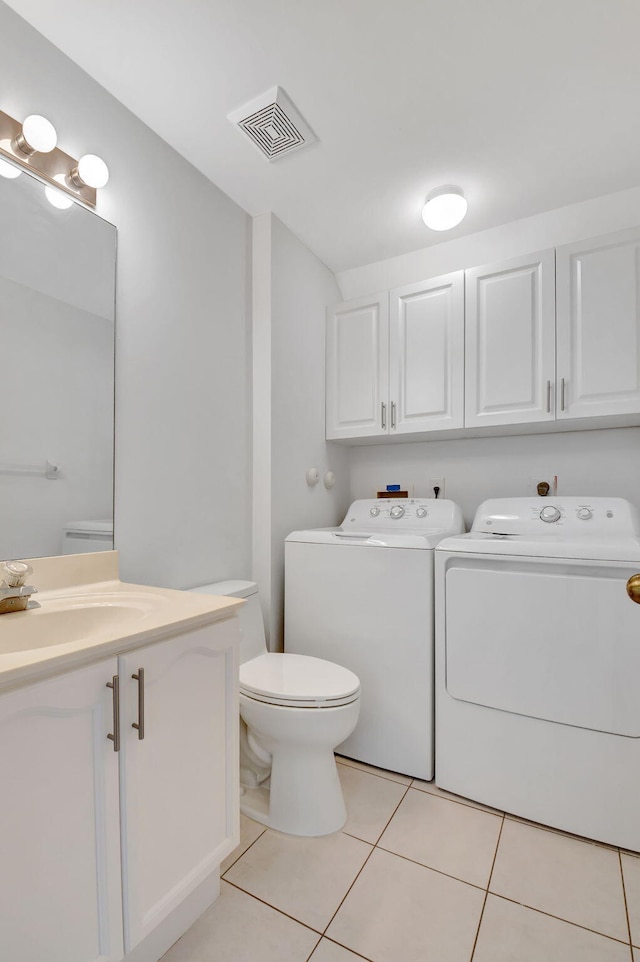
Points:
[(403, 513), (563, 517)]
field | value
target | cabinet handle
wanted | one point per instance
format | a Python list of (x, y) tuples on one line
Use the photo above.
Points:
[(139, 677), (393, 414), (548, 396), (115, 736), (383, 415), (562, 393)]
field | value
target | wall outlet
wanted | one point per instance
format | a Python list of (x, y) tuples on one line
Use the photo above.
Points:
[(435, 483)]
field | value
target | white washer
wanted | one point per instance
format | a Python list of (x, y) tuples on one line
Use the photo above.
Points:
[(538, 664), (361, 595)]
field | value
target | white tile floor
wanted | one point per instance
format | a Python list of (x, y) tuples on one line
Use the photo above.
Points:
[(418, 875)]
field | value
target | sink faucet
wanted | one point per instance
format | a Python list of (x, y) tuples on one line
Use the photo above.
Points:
[(14, 594)]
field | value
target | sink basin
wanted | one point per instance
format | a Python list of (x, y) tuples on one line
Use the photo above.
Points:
[(63, 620)]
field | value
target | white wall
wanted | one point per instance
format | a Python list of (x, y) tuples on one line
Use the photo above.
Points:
[(605, 462), (294, 289), (601, 215), (183, 417), (587, 463)]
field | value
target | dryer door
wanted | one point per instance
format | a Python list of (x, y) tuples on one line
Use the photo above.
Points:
[(553, 640)]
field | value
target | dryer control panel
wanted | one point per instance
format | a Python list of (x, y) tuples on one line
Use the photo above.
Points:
[(596, 518), (402, 513)]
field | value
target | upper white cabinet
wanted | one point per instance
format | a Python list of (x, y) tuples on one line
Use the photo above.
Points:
[(180, 782), (357, 374), (395, 361), (598, 308), (426, 350), (510, 341), (60, 890)]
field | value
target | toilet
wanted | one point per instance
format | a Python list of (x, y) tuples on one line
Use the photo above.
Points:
[(294, 711)]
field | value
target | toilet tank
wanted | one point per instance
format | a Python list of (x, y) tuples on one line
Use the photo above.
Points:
[(252, 637)]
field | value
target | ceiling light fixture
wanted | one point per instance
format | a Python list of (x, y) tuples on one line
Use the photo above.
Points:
[(32, 145), (445, 208), (38, 135)]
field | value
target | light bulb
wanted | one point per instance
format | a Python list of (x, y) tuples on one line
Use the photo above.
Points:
[(445, 208), (8, 170), (56, 197), (90, 172), (38, 135)]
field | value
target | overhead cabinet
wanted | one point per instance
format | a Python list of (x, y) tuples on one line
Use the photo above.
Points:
[(510, 341), (542, 339), (395, 362)]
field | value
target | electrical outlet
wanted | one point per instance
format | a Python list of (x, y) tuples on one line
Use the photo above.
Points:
[(435, 483)]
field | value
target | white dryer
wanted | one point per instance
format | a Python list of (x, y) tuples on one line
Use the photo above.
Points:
[(361, 596), (538, 664)]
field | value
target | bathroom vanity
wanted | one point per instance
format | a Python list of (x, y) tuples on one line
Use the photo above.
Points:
[(118, 763)]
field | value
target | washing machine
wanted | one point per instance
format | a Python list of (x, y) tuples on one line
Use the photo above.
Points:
[(361, 595), (538, 664)]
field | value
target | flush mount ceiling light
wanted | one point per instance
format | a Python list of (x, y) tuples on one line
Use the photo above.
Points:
[(33, 145), (445, 208)]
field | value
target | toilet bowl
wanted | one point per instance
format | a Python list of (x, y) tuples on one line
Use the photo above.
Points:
[(294, 711)]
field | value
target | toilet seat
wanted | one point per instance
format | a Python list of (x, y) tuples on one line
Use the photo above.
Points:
[(298, 681)]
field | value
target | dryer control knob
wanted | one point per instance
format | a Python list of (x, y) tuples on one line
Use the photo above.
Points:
[(421, 513), (374, 512), (550, 514), (397, 511), (585, 513)]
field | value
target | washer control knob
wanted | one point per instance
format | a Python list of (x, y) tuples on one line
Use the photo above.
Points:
[(421, 513), (550, 514), (585, 513), (397, 511), (374, 512)]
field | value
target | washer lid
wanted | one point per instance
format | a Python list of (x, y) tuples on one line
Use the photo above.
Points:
[(297, 678)]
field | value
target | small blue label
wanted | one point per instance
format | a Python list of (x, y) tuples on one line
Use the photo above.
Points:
[(393, 487)]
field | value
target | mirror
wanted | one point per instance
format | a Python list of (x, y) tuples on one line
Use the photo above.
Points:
[(57, 312)]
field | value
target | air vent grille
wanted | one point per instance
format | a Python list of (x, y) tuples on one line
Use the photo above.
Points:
[(273, 124)]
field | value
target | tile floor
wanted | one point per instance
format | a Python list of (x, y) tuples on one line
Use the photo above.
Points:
[(419, 875)]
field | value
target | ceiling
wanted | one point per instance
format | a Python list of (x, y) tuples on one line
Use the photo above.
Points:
[(527, 106)]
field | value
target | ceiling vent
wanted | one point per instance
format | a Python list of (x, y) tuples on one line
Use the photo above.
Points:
[(273, 124)]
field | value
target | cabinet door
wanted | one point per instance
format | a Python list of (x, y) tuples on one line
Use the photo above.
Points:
[(426, 347), (357, 372), (60, 893), (510, 341), (179, 784), (599, 326)]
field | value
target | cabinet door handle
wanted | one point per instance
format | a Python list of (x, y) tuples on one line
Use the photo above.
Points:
[(115, 735), (562, 394), (548, 396), (383, 415), (139, 677), (393, 414)]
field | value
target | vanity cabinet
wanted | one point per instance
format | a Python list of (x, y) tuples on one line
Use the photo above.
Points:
[(99, 846), (510, 341), (60, 889), (395, 361), (598, 326), (179, 784)]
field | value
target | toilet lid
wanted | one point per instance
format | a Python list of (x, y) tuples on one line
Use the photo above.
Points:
[(298, 680)]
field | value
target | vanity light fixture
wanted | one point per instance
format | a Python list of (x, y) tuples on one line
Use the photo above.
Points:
[(9, 171), (38, 135), (445, 208), (33, 145)]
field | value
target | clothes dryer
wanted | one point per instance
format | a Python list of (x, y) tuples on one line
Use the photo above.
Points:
[(361, 595), (538, 664)]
